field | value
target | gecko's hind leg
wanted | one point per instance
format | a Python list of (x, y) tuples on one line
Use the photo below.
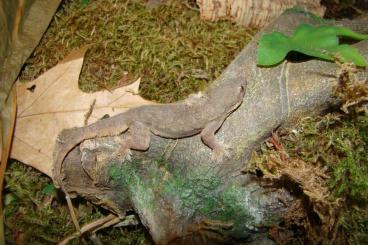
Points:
[(138, 137), (208, 137)]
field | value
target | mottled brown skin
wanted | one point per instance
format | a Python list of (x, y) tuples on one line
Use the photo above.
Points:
[(200, 113)]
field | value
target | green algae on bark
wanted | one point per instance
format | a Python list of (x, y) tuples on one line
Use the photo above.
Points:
[(192, 194)]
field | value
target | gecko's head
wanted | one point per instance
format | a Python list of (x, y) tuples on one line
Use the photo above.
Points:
[(227, 97), (239, 92), (235, 91)]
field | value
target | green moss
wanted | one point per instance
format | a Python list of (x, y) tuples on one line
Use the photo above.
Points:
[(123, 236), (350, 175), (342, 143), (173, 51), (337, 146), (33, 216), (355, 224), (26, 206), (339, 143)]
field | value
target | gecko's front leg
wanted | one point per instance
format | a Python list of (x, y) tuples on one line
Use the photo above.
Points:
[(208, 137), (138, 137)]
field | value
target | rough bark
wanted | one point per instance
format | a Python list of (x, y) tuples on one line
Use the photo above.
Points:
[(253, 13), (180, 195)]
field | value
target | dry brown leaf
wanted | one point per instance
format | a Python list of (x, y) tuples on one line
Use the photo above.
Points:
[(54, 102)]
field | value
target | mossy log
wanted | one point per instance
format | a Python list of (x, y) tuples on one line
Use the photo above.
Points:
[(180, 195)]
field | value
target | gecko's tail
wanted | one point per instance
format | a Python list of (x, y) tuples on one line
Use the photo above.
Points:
[(65, 142), (68, 139)]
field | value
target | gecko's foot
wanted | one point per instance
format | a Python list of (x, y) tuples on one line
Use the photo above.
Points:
[(201, 95), (62, 142), (220, 153), (124, 154), (63, 136), (68, 135), (196, 99)]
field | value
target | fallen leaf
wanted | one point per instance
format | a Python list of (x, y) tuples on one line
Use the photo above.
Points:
[(53, 102)]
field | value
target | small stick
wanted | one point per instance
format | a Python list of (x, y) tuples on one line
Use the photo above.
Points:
[(89, 112), (72, 213), (93, 226)]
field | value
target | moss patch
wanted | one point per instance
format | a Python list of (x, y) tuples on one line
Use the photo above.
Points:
[(35, 213), (196, 193), (324, 162), (173, 51), (27, 206)]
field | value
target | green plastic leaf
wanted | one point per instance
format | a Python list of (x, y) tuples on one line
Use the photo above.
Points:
[(347, 53), (321, 42), (48, 189), (273, 49), (316, 18)]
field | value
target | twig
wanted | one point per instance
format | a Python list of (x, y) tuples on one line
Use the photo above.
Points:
[(72, 213), (89, 112), (93, 226)]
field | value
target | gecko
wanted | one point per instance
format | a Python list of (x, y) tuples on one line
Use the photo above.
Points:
[(201, 113)]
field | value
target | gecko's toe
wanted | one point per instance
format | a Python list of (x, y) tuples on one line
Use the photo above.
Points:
[(128, 155), (220, 154), (124, 154), (66, 135)]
